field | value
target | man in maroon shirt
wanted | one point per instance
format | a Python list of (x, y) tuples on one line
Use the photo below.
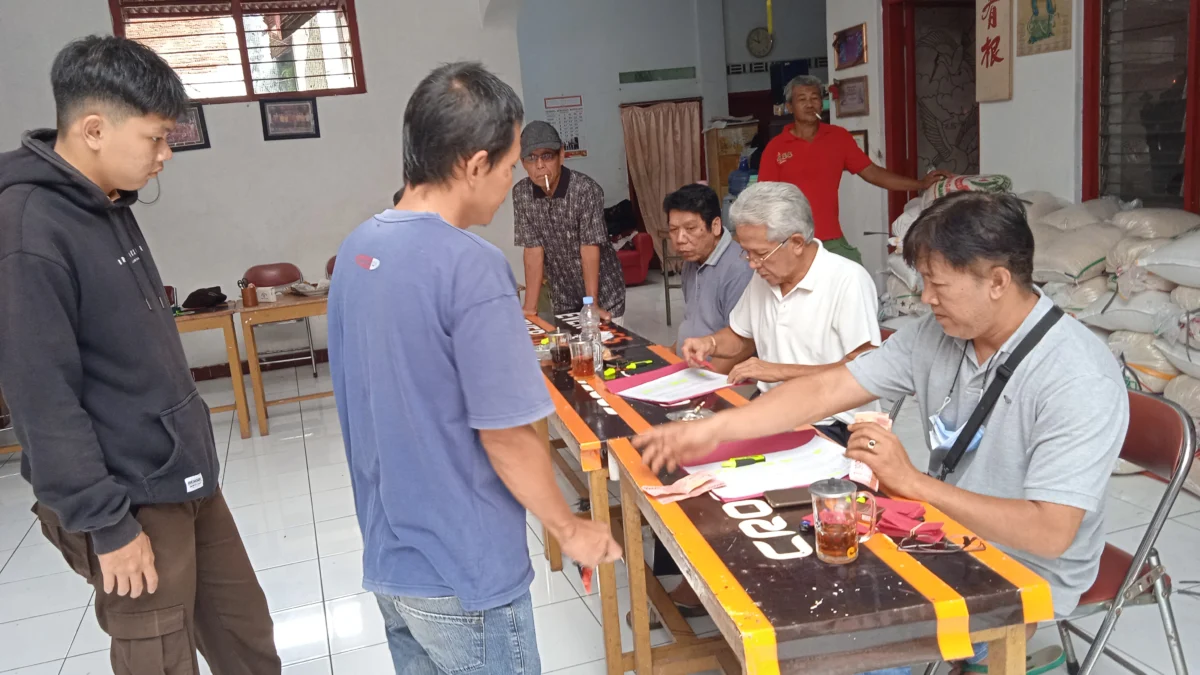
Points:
[(812, 156)]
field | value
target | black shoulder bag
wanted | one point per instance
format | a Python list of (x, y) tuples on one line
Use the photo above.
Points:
[(1003, 373)]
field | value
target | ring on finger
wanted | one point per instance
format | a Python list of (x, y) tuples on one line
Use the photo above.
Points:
[(871, 444)]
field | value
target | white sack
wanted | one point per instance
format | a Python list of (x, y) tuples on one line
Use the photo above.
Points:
[(1148, 369), (1078, 215), (1138, 314), (1074, 256), (1178, 261), (1155, 223)]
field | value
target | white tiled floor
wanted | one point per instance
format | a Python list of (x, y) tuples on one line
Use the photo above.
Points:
[(289, 493)]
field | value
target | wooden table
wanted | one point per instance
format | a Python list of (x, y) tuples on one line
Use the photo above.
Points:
[(289, 307), (784, 613), (222, 320), (587, 431), (781, 615)]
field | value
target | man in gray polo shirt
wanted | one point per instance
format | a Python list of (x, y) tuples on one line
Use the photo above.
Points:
[(714, 273), (1035, 486)]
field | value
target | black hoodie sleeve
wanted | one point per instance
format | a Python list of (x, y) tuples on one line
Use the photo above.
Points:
[(42, 375)]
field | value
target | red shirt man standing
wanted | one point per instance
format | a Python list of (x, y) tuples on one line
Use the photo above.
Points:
[(812, 156)]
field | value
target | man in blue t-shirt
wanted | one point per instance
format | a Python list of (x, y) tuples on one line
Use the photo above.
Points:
[(437, 386)]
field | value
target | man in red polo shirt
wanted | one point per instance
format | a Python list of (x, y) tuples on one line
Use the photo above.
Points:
[(812, 156)]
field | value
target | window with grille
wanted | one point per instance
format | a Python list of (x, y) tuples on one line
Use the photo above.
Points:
[(1144, 126), (245, 50)]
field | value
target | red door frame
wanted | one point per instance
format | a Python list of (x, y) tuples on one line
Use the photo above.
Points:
[(1092, 35), (900, 90)]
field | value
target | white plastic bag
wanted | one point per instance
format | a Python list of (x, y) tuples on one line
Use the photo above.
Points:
[(1073, 256), (1185, 391), (1146, 368), (1078, 215), (1187, 298), (1177, 325), (1186, 360), (906, 274), (1178, 261), (1137, 314), (1074, 298), (1125, 253), (901, 225), (1156, 223)]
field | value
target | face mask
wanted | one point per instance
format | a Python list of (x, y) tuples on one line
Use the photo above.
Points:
[(942, 438)]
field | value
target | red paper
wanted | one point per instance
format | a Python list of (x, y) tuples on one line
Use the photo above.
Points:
[(758, 446), (622, 383)]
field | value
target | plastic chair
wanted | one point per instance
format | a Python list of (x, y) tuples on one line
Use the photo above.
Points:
[(1162, 440), (283, 274)]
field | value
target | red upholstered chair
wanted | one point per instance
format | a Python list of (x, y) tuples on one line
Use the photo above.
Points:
[(635, 264), (1162, 440), (283, 274)]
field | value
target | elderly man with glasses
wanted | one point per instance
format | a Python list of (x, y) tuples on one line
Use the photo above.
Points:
[(559, 218), (805, 311)]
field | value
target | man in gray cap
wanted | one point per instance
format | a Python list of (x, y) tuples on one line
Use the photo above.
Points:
[(559, 218)]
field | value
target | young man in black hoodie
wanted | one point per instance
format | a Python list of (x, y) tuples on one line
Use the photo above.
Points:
[(117, 442)]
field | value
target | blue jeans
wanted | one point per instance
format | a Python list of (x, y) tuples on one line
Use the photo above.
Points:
[(436, 636), (981, 652)]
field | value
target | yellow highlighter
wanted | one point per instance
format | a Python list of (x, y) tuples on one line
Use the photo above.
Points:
[(743, 461)]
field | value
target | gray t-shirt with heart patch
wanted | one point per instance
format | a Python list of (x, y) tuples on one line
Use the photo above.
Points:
[(1054, 435)]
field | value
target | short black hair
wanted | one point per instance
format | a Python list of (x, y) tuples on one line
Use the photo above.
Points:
[(456, 111), (695, 198), (398, 196), (968, 227), (116, 71)]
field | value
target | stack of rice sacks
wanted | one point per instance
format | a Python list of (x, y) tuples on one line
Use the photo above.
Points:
[(904, 286)]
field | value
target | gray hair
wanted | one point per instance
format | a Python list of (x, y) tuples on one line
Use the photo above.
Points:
[(802, 81), (781, 207)]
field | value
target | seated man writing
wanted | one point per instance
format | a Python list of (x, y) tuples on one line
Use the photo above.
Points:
[(806, 311), (1033, 480), (714, 271)]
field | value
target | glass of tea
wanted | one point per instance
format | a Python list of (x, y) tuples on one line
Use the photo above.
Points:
[(838, 509), (560, 351), (583, 361)]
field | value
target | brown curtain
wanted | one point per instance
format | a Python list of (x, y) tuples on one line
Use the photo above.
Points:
[(662, 146)]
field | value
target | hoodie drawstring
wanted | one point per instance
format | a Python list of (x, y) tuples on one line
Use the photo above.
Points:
[(131, 251)]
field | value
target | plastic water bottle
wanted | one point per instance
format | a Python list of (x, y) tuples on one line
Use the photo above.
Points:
[(589, 327)]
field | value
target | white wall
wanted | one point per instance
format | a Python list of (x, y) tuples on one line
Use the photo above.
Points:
[(800, 33), (863, 206), (246, 201), (578, 47), (1036, 138)]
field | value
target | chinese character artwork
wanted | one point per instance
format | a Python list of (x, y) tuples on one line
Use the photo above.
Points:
[(990, 52)]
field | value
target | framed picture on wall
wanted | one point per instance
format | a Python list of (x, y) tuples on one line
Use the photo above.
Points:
[(190, 132), (853, 99), (860, 137), (850, 45), (289, 118)]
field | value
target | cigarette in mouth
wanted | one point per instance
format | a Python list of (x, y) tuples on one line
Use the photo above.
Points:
[(817, 115), (547, 179)]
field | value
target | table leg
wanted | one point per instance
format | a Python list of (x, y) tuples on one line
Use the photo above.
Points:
[(1006, 655), (610, 618), (235, 374), (635, 556), (553, 552), (256, 383)]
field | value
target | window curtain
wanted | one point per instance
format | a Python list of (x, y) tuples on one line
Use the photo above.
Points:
[(662, 147)]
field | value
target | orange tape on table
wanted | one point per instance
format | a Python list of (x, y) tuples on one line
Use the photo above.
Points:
[(758, 635), (950, 608), (1035, 591)]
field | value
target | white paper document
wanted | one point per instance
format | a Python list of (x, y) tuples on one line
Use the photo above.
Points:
[(816, 460), (684, 384)]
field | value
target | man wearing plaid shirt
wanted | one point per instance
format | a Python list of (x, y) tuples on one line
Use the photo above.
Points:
[(559, 218)]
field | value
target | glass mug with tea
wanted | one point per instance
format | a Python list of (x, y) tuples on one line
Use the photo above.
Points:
[(560, 351), (583, 362), (838, 508)]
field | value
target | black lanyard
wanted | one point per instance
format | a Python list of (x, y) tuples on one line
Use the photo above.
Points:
[(1003, 373)]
